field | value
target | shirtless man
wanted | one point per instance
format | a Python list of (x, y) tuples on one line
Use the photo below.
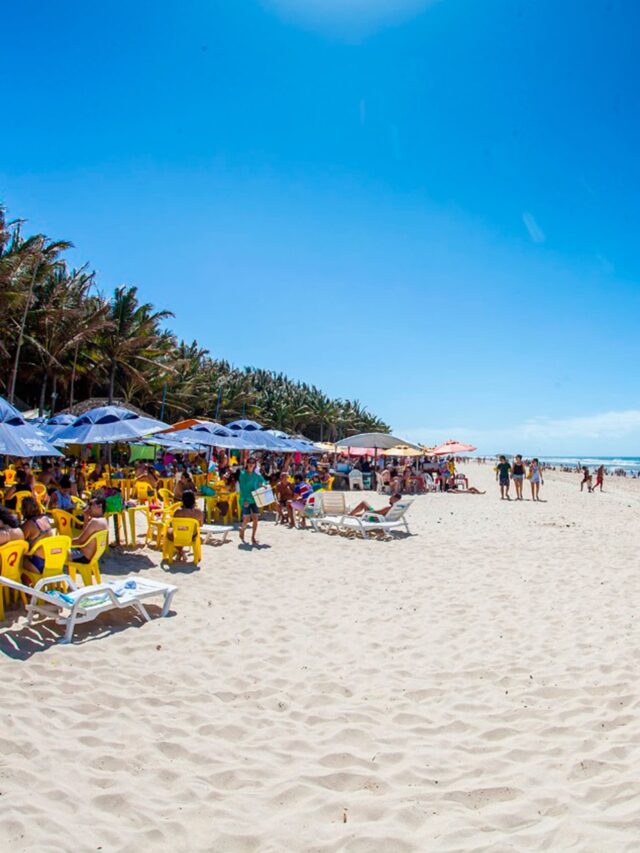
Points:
[(284, 493), (94, 522), (187, 510), (363, 507)]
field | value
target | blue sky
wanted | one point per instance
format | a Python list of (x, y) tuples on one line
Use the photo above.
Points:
[(429, 206)]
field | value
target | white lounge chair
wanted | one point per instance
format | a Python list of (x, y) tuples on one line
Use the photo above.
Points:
[(211, 531), (327, 503), (82, 604), (371, 522)]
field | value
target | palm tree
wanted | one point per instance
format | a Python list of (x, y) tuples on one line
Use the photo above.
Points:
[(58, 333), (22, 263), (132, 338), (62, 319)]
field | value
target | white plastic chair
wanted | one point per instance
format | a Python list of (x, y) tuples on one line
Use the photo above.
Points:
[(327, 503), (382, 487), (356, 479)]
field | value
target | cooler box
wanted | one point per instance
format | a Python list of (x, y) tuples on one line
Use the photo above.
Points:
[(264, 496)]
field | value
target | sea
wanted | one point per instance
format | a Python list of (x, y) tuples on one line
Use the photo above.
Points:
[(629, 464)]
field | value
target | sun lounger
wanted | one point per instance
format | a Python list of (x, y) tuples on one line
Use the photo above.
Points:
[(371, 522), (82, 604), (327, 504), (211, 531)]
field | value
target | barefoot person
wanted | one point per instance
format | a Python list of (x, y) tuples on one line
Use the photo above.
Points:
[(503, 469), (517, 475), (285, 494), (599, 478), (586, 480), (248, 482), (535, 478)]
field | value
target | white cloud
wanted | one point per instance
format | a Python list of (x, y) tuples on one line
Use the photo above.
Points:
[(535, 231), (349, 16), (604, 433)]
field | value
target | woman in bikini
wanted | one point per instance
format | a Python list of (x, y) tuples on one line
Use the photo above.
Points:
[(34, 527)]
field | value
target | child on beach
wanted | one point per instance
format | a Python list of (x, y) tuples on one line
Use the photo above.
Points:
[(586, 480), (517, 475), (503, 469), (535, 478)]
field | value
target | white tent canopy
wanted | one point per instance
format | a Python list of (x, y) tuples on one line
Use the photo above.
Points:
[(376, 440)]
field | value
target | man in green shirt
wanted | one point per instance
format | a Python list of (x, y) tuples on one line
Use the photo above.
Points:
[(248, 482)]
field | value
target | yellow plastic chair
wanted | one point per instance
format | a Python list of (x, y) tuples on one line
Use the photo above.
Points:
[(91, 571), (55, 553), (186, 534), (65, 523), (20, 496), (166, 497), (11, 556), (10, 476), (78, 504), (41, 493), (145, 493), (157, 524)]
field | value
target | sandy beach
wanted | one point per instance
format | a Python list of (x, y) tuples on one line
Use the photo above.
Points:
[(470, 688)]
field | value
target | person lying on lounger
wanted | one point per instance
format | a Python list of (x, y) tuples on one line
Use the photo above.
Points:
[(363, 507)]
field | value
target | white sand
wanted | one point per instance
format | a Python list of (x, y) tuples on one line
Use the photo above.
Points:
[(472, 688)]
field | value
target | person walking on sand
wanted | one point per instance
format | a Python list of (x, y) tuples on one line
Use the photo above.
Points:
[(517, 475), (535, 478), (586, 480), (599, 478), (503, 469), (248, 482)]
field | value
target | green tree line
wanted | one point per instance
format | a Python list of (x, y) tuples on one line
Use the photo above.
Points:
[(63, 341)]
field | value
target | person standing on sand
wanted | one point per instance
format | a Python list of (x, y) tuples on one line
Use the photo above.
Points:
[(599, 478), (535, 478), (517, 475), (248, 482), (503, 469), (586, 480)]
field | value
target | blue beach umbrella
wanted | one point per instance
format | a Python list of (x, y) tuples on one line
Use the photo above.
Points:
[(18, 438), (256, 436), (211, 434), (293, 443), (52, 428), (109, 425)]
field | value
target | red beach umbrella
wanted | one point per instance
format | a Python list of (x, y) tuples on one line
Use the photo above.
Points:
[(452, 448)]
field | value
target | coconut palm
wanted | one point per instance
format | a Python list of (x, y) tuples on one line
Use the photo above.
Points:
[(132, 339)]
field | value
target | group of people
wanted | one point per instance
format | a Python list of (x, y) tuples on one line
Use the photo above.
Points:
[(517, 473), (587, 479), (35, 526)]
